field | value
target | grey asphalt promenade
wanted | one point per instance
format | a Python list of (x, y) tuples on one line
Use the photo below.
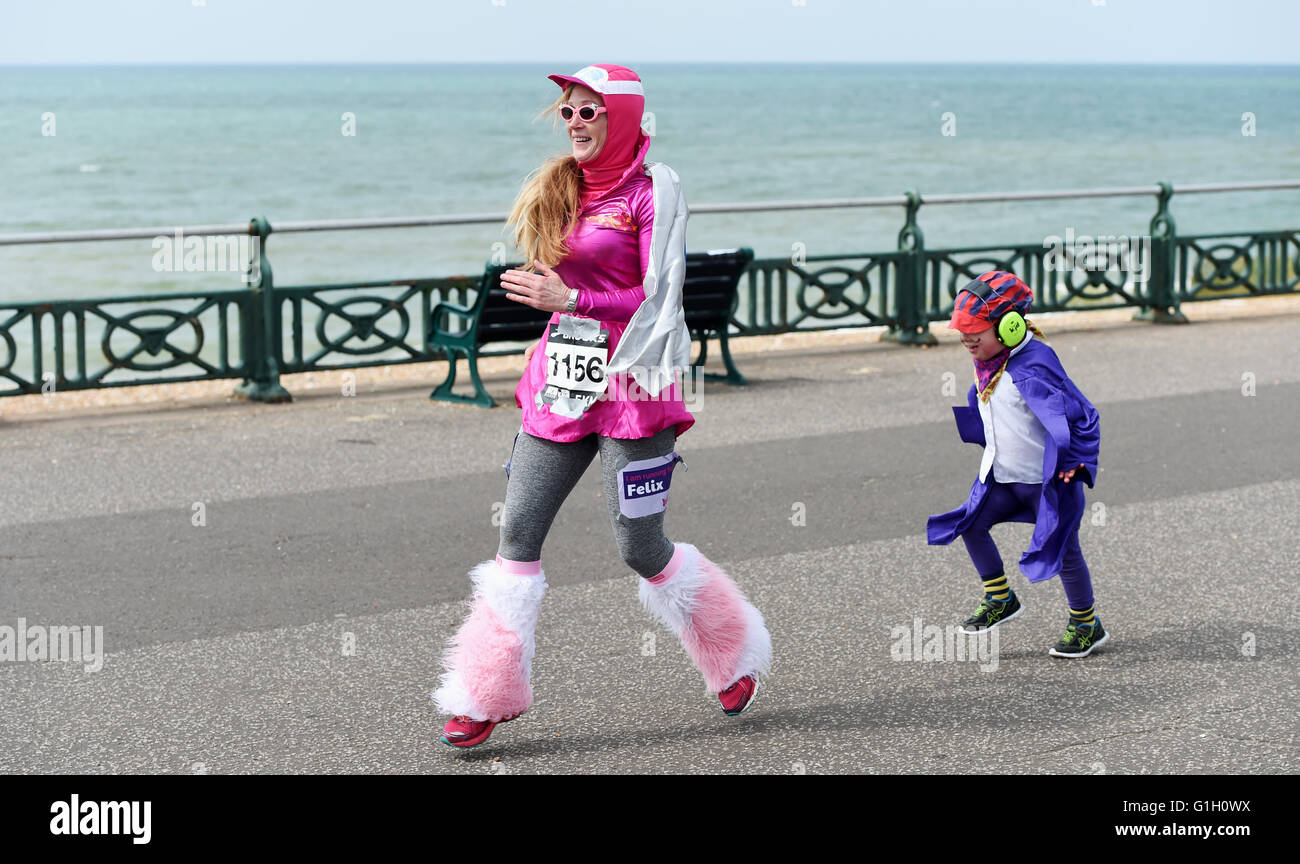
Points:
[(297, 627)]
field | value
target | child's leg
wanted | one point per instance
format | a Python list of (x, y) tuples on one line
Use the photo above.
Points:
[(1075, 578), (1000, 502), (1084, 633), (1077, 581)]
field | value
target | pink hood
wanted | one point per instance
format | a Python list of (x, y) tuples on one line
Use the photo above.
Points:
[(625, 142)]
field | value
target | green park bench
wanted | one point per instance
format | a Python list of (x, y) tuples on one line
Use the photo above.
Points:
[(708, 297)]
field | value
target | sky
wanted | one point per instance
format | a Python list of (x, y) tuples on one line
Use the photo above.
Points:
[(640, 31)]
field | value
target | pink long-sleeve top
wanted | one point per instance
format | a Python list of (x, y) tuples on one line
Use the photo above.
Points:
[(609, 253)]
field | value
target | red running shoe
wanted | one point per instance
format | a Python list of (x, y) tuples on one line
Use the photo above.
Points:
[(737, 698), (463, 732)]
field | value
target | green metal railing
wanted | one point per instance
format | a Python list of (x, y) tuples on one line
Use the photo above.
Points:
[(258, 334), (75, 339)]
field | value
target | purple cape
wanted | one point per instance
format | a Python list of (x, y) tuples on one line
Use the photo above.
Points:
[(1073, 439)]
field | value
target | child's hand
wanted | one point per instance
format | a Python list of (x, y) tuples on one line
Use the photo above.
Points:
[(1067, 475), (528, 352)]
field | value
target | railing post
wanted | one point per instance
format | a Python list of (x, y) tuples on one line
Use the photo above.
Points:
[(1162, 300), (259, 330), (913, 328)]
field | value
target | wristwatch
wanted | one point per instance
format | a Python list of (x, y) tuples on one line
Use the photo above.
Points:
[(572, 305)]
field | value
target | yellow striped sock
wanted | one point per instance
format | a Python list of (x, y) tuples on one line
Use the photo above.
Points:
[(997, 588), (1085, 616)]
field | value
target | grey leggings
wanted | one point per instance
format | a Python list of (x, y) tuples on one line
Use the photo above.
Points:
[(543, 473)]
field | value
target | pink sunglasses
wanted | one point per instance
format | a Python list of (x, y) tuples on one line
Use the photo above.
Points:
[(586, 113)]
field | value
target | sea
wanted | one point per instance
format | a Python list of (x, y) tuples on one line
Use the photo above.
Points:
[(91, 147)]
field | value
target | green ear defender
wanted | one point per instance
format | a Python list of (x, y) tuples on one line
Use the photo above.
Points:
[(1011, 329)]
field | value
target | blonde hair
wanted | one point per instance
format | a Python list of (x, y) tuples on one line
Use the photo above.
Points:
[(544, 214)]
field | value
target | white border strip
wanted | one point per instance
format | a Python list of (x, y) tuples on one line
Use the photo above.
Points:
[(633, 88)]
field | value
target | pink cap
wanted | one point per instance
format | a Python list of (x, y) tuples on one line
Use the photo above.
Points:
[(605, 78)]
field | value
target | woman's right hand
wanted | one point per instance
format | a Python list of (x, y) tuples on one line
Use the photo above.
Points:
[(528, 352)]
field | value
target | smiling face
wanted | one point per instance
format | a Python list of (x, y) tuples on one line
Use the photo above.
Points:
[(983, 345), (587, 138)]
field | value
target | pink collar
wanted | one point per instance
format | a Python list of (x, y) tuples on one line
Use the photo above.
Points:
[(596, 182)]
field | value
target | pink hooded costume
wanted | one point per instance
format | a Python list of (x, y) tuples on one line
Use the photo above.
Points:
[(627, 260), (628, 264)]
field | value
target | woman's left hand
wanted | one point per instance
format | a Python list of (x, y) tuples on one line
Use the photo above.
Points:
[(544, 290), (1068, 475)]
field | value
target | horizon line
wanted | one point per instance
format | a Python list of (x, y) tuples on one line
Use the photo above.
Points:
[(136, 63)]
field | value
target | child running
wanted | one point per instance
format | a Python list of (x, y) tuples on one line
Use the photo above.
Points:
[(1041, 436)]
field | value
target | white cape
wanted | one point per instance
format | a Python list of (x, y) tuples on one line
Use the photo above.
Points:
[(656, 342)]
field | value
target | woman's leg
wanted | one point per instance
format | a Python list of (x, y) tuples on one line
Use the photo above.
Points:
[(542, 474), (721, 631), (640, 536), (488, 664)]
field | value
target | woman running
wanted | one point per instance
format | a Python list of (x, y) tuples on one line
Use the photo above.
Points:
[(606, 235)]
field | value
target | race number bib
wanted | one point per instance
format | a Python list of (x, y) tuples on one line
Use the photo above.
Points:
[(577, 350)]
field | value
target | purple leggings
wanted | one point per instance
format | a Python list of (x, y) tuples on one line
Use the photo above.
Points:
[(1001, 502)]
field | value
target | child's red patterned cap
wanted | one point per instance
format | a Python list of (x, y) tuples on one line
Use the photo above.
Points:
[(988, 298)]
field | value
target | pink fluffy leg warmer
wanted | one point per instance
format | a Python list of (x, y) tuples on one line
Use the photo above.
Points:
[(721, 631), (488, 662)]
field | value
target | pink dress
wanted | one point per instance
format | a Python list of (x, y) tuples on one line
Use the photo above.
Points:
[(610, 249)]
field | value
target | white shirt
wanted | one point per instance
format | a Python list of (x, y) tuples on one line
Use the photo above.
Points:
[(1015, 439)]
